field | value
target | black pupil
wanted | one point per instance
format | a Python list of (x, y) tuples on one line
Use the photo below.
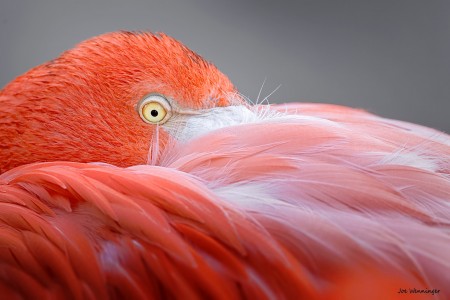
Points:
[(154, 113)]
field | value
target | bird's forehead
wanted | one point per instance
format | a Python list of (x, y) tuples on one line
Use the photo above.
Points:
[(145, 63)]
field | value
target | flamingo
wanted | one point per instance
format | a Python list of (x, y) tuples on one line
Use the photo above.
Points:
[(130, 167)]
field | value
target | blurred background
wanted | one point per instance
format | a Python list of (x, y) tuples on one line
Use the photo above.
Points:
[(389, 57)]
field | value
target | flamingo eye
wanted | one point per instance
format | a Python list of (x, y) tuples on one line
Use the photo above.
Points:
[(154, 109)]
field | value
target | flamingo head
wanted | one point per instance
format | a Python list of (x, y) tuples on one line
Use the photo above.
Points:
[(106, 99)]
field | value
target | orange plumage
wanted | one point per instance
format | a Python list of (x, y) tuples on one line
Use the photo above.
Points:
[(223, 200), (82, 105)]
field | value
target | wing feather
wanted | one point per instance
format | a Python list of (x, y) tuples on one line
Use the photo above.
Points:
[(314, 202)]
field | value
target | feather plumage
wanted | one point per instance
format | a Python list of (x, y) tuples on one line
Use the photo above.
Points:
[(277, 213), (298, 201)]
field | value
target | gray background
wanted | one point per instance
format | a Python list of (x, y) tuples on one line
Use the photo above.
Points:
[(389, 57)]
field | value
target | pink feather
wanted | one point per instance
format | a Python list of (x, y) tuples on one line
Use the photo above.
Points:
[(317, 201)]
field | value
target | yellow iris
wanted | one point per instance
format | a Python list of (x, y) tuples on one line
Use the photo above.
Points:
[(154, 112), (154, 109)]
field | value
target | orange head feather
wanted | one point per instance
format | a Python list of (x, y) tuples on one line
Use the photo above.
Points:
[(82, 105)]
